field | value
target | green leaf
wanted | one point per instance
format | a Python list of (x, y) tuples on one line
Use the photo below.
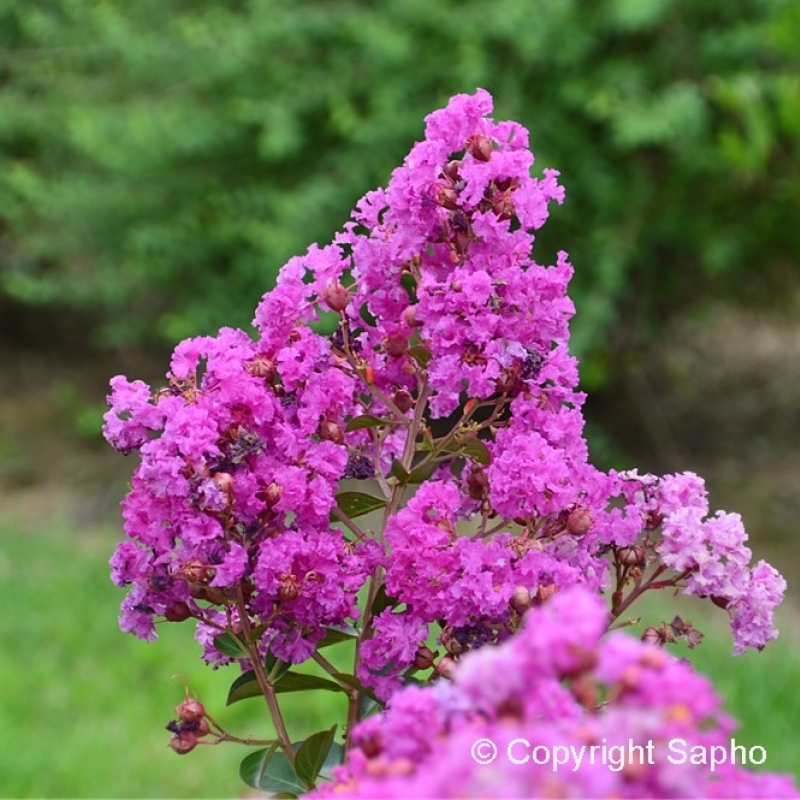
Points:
[(244, 687), (337, 634), (356, 684), (399, 471), (422, 473), (368, 706), (356, 504), (477, 451), (311, 755), (420, 354), (299, 682), (226, 644), (270, 771), (247, 686), (382, 601), (272, 662), (333, 759), (367, 421)]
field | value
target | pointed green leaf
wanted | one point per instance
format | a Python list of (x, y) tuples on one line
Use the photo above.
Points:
[(270, 771), (245, 686), (356, 684), (336, 634), (299, 682), (356, 504), (311, 755), (382, 601), (226, 644), (367, 421), (333, 759), (477, 451), (420, 354), (399, 471), (274, 667), (422, 473), (368, 706)]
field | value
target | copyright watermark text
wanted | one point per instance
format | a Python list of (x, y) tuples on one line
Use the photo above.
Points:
[(616, 756)]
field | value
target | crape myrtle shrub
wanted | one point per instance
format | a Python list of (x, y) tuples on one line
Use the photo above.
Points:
[(445, 401), (167, 158)]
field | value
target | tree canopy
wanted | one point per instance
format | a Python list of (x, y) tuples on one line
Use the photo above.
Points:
[(159, 161)]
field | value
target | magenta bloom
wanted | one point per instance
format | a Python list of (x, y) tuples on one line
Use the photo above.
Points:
[(416, 476), (557, 712)]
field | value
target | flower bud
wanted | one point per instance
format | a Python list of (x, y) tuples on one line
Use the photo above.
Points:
[(424, 657), (580, 522), (203, 728), (395, 345), (198, 592), (336, 296), (410, 317), (520, 600), (270, 495), (503, 206), (544, 593), (632, 556), (480, 147), (261, 367), (446, 667), (371, 744), (477, 483), (403, 400), (183, 742), (451, 169), (653, 520), (508, 379), (190, 710), (177, 612), (447, 197), (451, 644), (470, 406), (331, 431), (195, 571), (224, 482)]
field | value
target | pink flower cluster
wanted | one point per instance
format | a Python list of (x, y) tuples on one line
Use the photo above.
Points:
[(445, 400), (709, 551), (231, 501), (564, 713)]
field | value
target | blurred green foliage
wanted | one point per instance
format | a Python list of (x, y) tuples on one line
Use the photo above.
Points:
[(160, 161)]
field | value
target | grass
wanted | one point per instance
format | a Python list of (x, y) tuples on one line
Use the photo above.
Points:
[(83, 707)]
